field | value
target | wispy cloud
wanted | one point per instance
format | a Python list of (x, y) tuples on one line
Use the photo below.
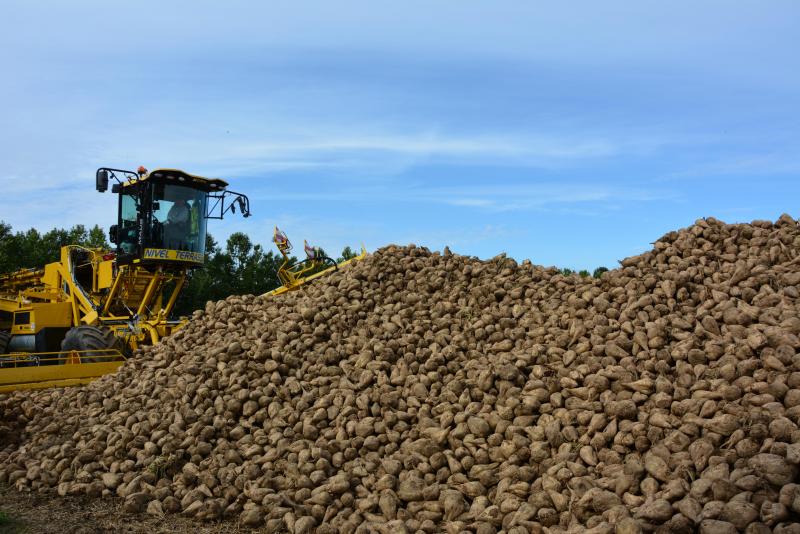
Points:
[(759, 164), (46, 208), (384, 149), (541, 195), (433, 144), (458, 239), (531, 195), (373, 154)]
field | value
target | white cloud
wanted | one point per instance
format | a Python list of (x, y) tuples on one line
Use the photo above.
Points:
[(429, 144), (743, 165), (373, 153), (371, 156), (542, 195), (530, 195), (46, 208)]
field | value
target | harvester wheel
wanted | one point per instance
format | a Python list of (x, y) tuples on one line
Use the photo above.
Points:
[(5, 337), (87, 338)]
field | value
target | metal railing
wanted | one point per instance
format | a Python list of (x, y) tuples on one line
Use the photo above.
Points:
[(69, 357)]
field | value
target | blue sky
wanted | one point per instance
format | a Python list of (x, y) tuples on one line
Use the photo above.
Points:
[(572, 135)]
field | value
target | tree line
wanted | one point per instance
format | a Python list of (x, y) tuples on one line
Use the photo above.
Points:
[(236, 268), (597, 273), (32, 249), (241, 267)]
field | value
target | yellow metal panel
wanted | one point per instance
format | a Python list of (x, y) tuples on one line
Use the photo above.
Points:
[(8, 305), (51, 277), (90, 317), (53, 375), (52, 314), (47, 384), (105, 274)]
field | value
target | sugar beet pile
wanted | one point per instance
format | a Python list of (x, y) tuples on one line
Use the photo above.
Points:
[(435, 392)]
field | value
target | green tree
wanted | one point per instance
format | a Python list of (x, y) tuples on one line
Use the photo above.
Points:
[(97, 238), (31, 249), (347, 254), (599, 272), (241, 267), (6, 243), (583, 273), (239, 248)]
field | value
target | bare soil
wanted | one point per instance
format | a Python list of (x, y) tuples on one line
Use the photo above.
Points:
[(33, 513)]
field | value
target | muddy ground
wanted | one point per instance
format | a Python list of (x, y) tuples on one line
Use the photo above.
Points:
[(33, 513)]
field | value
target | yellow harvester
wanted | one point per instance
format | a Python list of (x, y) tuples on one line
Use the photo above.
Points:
[(77, 318)]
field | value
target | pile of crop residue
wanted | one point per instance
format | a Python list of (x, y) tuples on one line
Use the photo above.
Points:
[(435, 392)]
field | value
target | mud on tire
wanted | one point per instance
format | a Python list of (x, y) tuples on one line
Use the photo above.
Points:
[(88, 338)]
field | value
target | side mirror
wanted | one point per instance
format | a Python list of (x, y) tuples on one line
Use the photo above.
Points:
[(113, 232), (101, 180)]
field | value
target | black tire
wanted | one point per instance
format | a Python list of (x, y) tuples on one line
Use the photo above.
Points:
[(5, 338), (91, 338)]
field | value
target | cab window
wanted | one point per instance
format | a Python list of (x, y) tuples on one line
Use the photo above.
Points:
[(179, 223), (128, 225)]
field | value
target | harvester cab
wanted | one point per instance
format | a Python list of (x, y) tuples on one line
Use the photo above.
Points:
[(162, 214)]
